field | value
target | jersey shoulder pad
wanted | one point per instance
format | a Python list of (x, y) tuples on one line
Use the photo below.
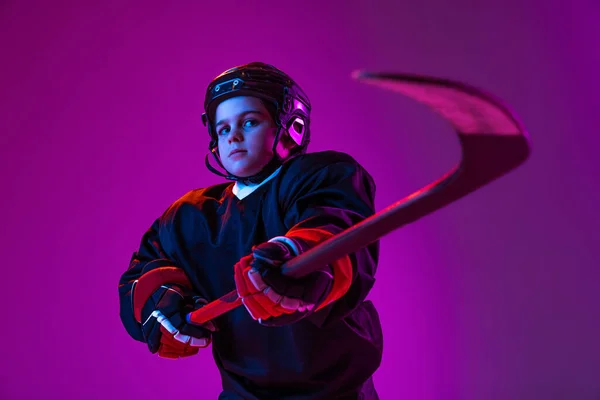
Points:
[(195, 196), (195, 199), (312, 162), (322, 169)]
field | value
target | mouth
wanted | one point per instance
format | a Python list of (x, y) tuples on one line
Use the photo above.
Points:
[(236, 151)]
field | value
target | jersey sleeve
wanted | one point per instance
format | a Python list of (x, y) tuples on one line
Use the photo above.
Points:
[(328, 195), (149, 268)]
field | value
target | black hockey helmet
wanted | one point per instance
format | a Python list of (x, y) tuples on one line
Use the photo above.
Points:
[(277, 89)]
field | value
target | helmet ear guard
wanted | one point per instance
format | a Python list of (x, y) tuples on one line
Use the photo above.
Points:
[(295, 118), (212, 145), (296, 130)]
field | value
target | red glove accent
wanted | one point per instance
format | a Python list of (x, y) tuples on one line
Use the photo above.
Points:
[(171, 348), (166, 329), (257, 303)]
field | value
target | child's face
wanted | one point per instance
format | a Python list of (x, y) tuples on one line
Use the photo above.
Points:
[(246, 133)]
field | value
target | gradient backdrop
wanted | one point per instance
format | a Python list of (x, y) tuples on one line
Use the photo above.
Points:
[(494, 297)]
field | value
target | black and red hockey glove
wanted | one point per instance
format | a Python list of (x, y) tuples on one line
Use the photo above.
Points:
[(275, 299), (165, 326)]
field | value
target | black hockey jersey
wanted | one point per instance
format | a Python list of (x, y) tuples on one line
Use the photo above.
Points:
[(327, 355)]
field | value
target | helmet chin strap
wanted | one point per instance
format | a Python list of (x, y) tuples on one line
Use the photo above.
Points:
[(271, 166), (267, 170)]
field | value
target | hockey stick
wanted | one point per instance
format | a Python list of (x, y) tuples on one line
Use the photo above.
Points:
[(493, 142)]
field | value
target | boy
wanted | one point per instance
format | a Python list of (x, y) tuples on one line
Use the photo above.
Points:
[(309, 338)]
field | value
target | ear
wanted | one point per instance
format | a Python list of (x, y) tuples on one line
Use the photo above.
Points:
[(285, 144), (286, 140)]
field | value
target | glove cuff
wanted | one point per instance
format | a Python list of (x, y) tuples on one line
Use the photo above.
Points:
[(288, 242), (152, 280), (151, 304)]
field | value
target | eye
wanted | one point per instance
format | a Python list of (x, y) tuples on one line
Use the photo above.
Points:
[(250, 123), (223, 131)]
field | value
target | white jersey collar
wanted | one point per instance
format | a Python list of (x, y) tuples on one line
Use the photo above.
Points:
[(241, 190)]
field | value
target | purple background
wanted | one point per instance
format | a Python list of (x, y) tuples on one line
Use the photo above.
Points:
[(493, 297)]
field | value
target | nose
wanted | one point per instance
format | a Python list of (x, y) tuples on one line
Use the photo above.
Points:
[(235, 135)]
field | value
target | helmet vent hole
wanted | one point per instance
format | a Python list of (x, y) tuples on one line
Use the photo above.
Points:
[(298, 126)]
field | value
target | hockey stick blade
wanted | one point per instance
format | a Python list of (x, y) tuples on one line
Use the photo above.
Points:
[(493, 142)]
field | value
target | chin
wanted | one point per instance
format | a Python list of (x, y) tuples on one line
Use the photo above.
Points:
[(244, 172), (245, 168)]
